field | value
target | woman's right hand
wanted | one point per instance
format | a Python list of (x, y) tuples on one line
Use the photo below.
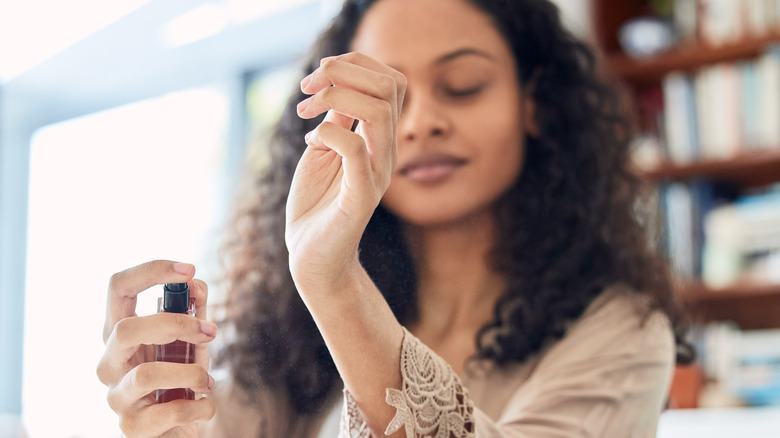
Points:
[(128, 364)]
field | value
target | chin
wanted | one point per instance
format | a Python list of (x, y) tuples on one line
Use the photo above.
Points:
[(441, 216)]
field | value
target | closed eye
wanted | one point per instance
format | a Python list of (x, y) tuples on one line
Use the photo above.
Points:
[(464, 92)]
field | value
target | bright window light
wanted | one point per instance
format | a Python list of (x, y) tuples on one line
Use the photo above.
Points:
[(34, 30), (107, 192), (196, 24), (210, 19), (243, 11)]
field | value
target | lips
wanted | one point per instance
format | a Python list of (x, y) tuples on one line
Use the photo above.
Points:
[(431, 168)]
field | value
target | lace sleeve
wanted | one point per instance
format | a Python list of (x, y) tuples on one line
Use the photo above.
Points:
[(431, 403)]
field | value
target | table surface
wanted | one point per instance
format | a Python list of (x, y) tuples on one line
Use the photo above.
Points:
[(716, 423)]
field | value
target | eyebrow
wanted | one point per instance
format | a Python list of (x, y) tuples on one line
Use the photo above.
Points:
[(463, 52), (457, 54)]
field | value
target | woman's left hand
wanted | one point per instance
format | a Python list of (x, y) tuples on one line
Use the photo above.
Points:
[(343, 174)]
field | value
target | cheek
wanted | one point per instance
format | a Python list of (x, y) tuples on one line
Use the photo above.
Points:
[(502, 167), (501, 139)]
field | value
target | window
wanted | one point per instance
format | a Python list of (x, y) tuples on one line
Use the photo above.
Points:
[(108, 191), (61, 243)]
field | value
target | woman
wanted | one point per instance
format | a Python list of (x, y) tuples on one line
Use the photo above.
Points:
[(462, 249)]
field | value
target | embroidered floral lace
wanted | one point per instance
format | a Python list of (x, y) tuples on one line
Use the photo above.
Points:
[(432, 401)]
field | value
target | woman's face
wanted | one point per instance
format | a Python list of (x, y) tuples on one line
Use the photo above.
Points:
[(461, 131)]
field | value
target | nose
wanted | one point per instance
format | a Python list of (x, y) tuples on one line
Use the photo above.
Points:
[(422, 118)]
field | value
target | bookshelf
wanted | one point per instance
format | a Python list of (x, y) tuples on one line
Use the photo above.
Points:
[(750, 169), (686, 57), (699, 162), (752, 305)]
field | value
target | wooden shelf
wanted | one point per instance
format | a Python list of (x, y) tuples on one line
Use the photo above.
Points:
[(685, 58), (752, 306), (749, 169)]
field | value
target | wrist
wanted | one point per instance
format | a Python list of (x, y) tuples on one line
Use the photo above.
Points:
[(333, 281)]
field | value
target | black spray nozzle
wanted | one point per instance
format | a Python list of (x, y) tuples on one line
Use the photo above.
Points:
[(176, 297)]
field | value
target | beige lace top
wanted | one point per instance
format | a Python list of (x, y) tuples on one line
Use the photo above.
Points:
[(608, 377)]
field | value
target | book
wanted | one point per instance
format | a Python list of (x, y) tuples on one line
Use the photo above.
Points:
[(720, 21), (678, 206), (685, 18), (680, 118), (767, 99)]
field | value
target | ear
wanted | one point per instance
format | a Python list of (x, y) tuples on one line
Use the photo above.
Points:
[(530, 127)]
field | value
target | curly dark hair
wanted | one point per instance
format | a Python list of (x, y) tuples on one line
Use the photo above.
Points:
[(570, 225)]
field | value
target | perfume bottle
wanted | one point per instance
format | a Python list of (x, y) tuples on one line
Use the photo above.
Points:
[(175, 299)]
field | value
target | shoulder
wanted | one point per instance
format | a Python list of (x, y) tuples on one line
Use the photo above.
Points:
[(621, 323), (608, 376)]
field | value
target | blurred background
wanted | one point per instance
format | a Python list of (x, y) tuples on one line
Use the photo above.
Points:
[(124, 126), (702, 81)]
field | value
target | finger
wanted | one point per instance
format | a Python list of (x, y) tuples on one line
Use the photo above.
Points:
[(377, 113), (157, 419), (125, 286), (200, 291), (341, 120), (350, 103), (336, 72), (162, 328), (370, 63), (351, 147), (352, 76), (150, 376)]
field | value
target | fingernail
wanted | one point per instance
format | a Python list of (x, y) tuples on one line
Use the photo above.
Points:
[(211, 382), (305, 81), (326, 59), (308, 136), (183, 268), (208, 328)]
